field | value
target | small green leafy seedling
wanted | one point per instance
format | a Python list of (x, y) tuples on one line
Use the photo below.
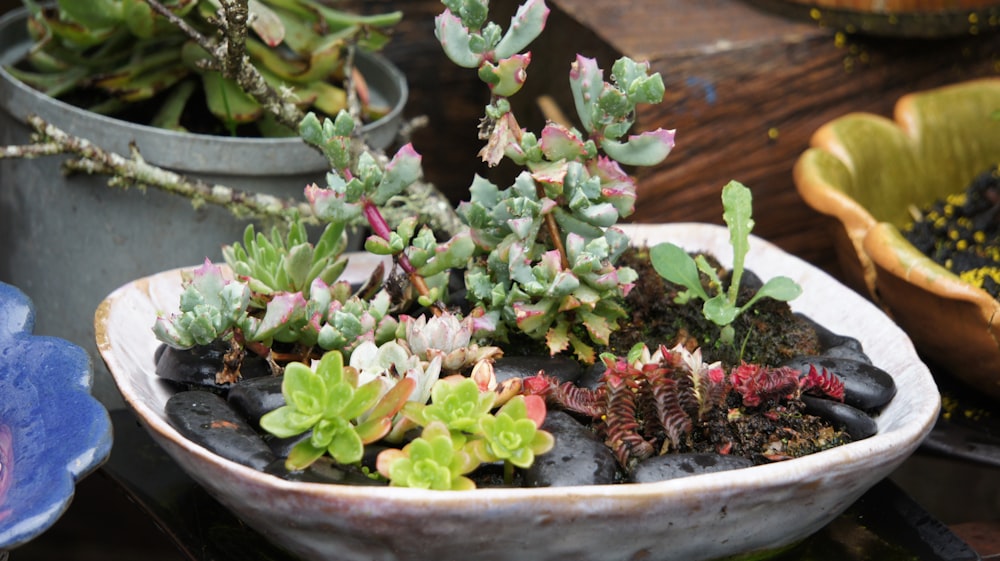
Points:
[(675, 265), (342, 416)]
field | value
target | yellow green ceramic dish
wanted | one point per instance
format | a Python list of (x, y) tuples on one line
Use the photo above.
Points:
[(866, 170)]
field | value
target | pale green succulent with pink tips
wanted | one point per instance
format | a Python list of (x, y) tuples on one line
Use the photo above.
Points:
[(446, 336), (460, 432)]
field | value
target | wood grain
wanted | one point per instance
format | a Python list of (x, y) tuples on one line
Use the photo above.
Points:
[(745, 90)]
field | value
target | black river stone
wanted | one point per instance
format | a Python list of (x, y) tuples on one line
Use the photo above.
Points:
[(593, 376), (855, 422), (848, 351), (564, 368), (828, 339), (206, 419), (324, 470), (196, 367), (579, 457), (675, 466), (256, 396), (866, 386)]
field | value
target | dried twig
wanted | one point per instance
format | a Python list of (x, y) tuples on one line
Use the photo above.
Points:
[(229, 57), (134, 171)]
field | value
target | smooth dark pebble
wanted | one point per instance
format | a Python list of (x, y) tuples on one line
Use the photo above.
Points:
[(848, 351), (578, 457), (281, 447), (865, 386), (563, 368), (675, 466), (323, 470), (828, 339), (593, 375), (858, 424), (206, 419), (254, 397), (750, 281), (196, 367)]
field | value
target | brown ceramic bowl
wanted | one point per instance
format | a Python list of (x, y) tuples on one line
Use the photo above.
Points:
[(865, 170), (902, 18)]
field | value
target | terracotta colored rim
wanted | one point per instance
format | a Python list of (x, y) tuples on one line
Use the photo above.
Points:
[(889, 6)]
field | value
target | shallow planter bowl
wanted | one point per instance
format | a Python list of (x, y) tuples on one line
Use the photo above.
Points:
[(704, 517), (864, 170), (52, 430)]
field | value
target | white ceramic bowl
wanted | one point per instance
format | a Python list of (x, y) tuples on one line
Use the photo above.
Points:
[(703, 517)]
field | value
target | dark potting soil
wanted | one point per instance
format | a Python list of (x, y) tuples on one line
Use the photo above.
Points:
[(962, 232)]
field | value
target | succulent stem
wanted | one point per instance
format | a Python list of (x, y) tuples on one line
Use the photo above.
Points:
[(381, 229), (553, 228)]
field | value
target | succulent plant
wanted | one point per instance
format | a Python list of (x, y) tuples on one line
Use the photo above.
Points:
[(359, 184), (461, 411), (431, 461), (539, 259), (548, 243), (459, 403), (446, 336), (211, 308), (513, 434), (109, 55), (651, 403), (543, 250), (285, 291), (391, 362), (287, 264), (342, 414)]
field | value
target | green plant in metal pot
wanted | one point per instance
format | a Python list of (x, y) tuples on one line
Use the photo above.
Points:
[(138, 60)]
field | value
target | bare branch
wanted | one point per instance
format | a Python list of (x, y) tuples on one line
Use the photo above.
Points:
[(134, 171), (179, 23), (231, 60)]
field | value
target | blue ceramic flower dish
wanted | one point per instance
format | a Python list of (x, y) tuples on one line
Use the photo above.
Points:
[(53, 432)]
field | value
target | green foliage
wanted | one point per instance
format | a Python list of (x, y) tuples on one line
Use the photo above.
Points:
[(289, 264), (342, 416), (431, 461), (720, 306), (460, 432), (127, 53), (286, 290)]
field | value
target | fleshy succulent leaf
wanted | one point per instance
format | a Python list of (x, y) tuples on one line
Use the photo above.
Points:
[(646, 149), (455, 38), (526, 24)]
